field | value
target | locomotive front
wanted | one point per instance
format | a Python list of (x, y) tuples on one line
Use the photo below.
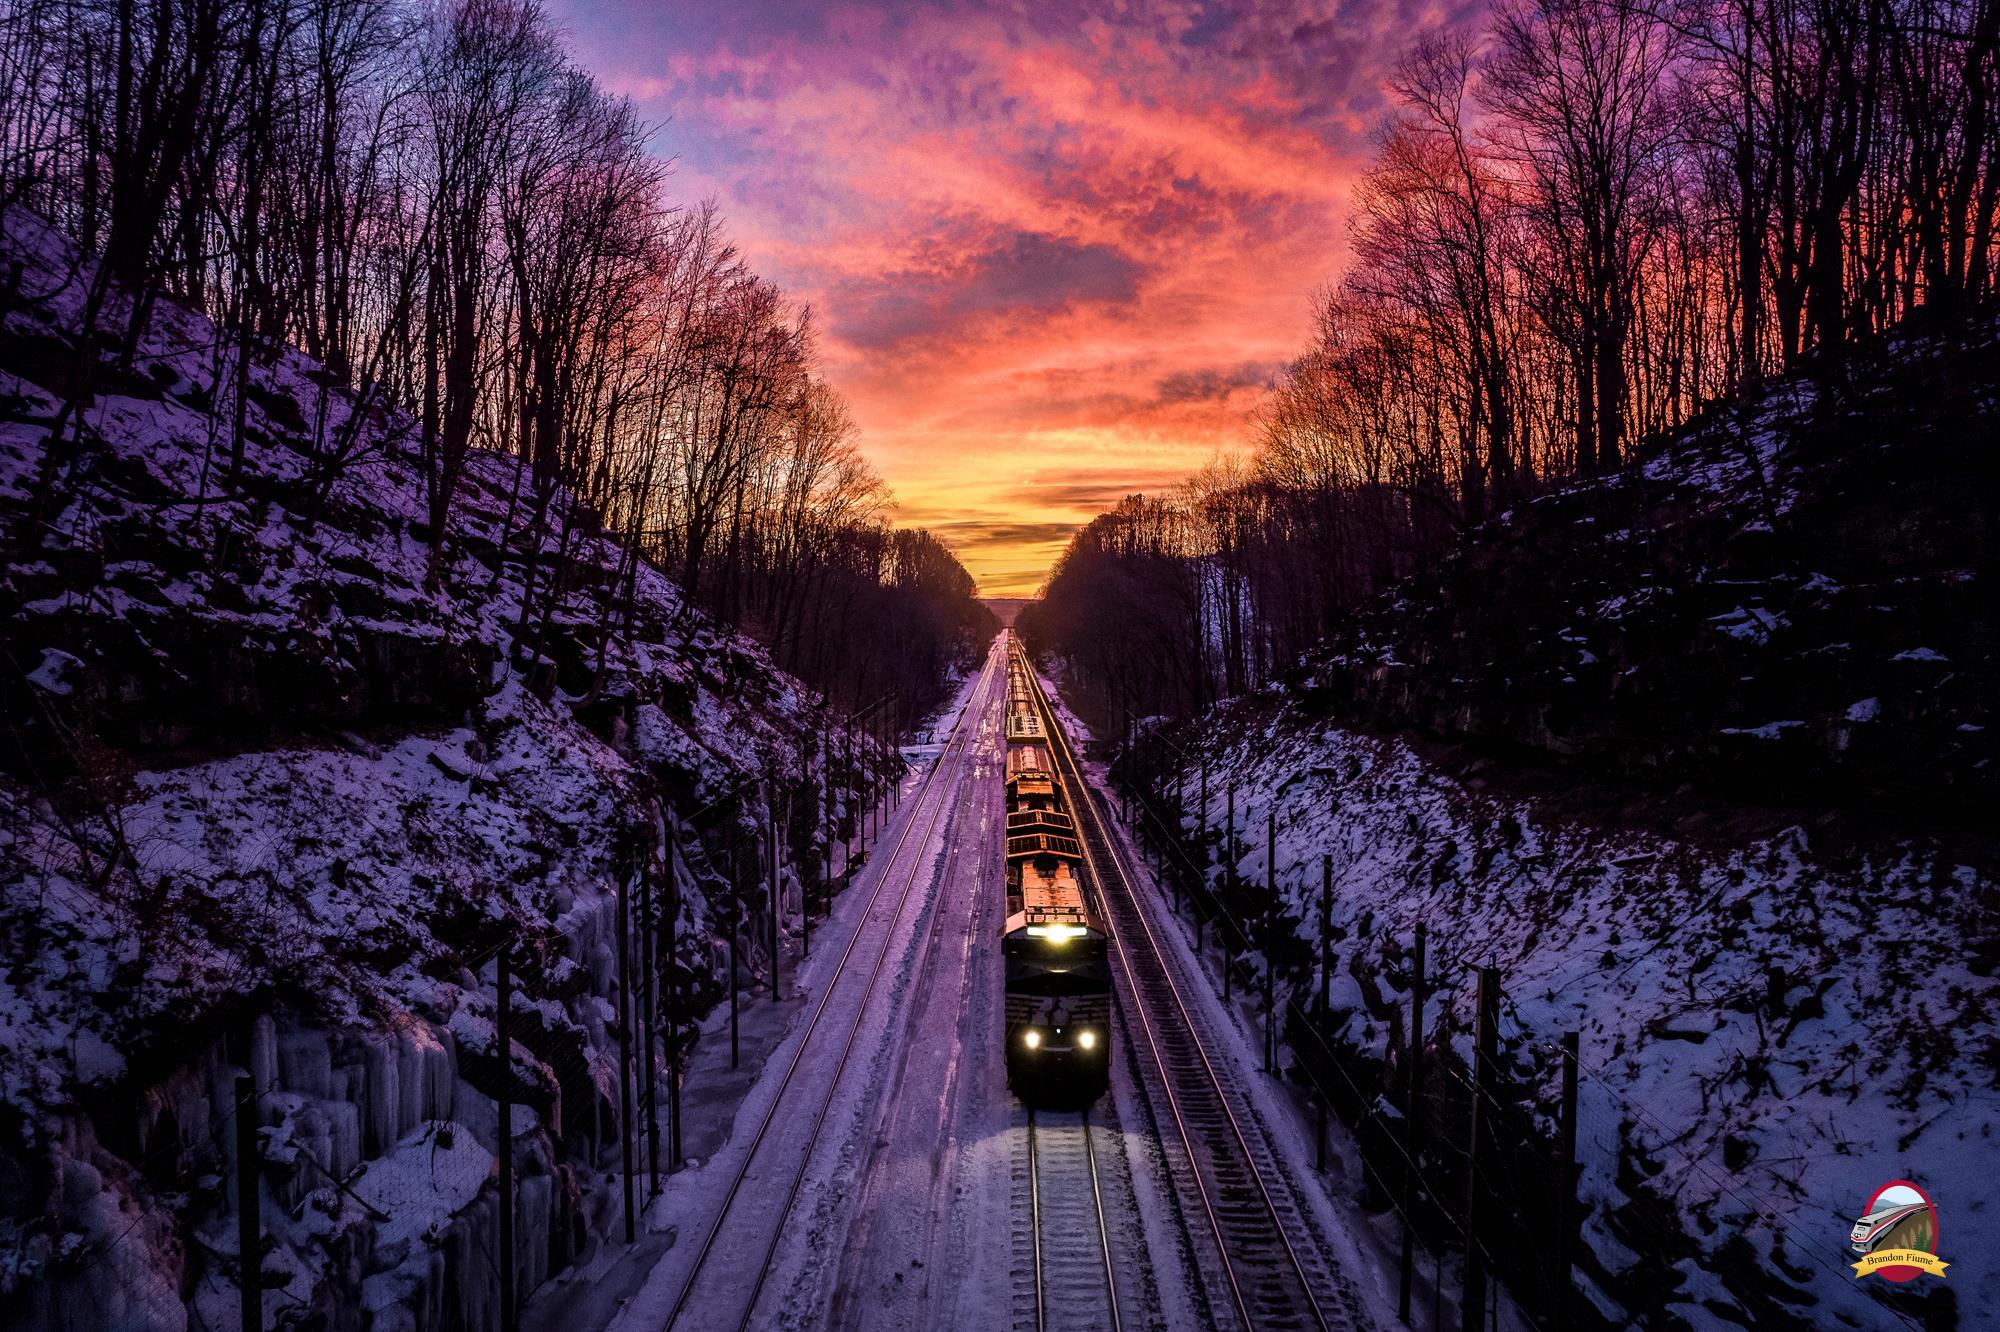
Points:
[(1058, 974)]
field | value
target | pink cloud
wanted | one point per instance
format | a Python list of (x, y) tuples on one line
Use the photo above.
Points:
[(1040, 245)]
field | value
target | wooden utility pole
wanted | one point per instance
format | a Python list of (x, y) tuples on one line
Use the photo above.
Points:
[(1413, 1124), (675, 1156), (854, 816), (1204, 798), (1180, 815), (1325, 982), (1228, 882), (1200, 918), (735, 930), (777, 909), (1472, 1300), (653, 1021), (825, 819), (503, 1034), (1142, 770), (625, 1007), (1566, 1200), (894, 722), (249, 1206), (1325, 937), (1270, 935), (650, 966), (877, 772), (672, 985), (1126, 787)]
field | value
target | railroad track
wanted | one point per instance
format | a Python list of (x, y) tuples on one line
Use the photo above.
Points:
[(1235, 1190), (740, 1232), (1074, 1282)]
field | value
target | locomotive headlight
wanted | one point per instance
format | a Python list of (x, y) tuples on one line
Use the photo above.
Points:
[(1087, 1039), (1031, 1038)]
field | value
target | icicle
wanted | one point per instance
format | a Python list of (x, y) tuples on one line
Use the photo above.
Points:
[(531, 1230), (264, 1052), (410, 1074), (305, 1064), (343, 1121), (382, 1069)]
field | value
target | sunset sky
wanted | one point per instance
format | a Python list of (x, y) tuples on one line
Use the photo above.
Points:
[(1053, 251)]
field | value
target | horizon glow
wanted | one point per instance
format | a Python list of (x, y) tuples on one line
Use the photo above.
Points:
[(1053, 254)]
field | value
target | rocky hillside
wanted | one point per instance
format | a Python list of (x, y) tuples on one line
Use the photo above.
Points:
[(1795, 600), (283, 771), (1661, 698), (1776, 1016)]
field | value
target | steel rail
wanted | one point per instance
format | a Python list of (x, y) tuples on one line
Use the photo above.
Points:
[(1103, 1231), (960, 739), (1085, 802), (1035, 1227), (1039, 1222)]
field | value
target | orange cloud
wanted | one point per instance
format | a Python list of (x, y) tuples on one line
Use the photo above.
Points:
[(1053, 253)]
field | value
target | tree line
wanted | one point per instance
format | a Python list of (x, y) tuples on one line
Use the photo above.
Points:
[(440, 205), (1581, 226)]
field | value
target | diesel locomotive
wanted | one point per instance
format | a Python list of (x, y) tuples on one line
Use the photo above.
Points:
[(1055, 948)]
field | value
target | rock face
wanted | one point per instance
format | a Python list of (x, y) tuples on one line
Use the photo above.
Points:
[(279, 781), (1795, 600)]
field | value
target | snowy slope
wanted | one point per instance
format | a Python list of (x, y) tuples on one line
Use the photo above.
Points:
[(1714, 790), (1773, 1025), (270, 805)]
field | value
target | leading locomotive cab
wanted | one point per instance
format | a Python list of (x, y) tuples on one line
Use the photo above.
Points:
[(1058, 1007)]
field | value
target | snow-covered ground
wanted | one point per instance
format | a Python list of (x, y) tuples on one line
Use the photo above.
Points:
[(834, 1071), (285, 774), (594, 1294), (1773, 1025), (909, 1158)]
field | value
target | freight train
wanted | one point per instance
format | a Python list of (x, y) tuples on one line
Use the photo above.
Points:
[(1055, 947)]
